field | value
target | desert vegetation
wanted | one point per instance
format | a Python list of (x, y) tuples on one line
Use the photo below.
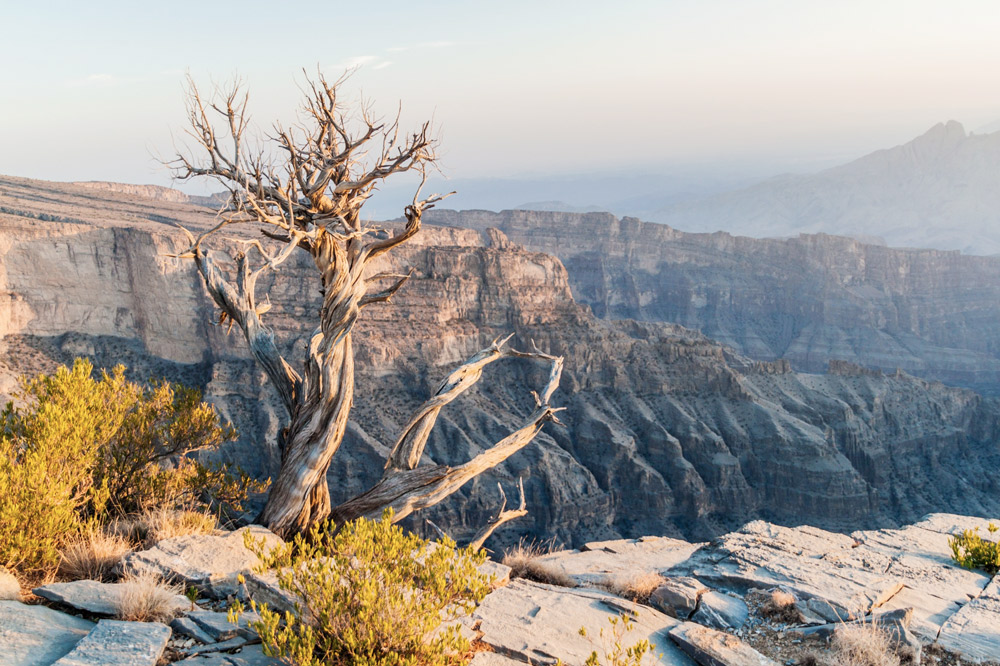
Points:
[(371, 594), (972, 551), (83, 455)]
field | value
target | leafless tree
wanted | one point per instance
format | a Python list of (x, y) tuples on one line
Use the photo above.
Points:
[(304, 188)]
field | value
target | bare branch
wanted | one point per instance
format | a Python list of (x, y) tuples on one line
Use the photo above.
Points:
[(502, 517)]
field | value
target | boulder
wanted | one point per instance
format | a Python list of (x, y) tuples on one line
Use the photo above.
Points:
[(115, 643), (37, 635), (721, 611), (94, 597), (10, 589), (678, 596), (715, 648), (540, 624), (209, 562)]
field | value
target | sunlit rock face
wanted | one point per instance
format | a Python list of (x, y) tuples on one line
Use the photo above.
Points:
[(666, 431), (809, 299)]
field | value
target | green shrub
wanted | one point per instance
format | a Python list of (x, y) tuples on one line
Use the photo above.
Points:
[(615, 652), (79, 451), (974, 552), (371, 595)]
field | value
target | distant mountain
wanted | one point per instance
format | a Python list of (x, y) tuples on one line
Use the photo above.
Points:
[(940, 190)]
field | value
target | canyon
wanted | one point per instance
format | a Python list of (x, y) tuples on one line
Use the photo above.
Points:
[(667, 431)]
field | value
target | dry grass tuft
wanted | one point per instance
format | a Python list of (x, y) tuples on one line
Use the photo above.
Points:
[(147, 598), (523, 560), (779, 606), (93, 555), (865, 644), (164, 523), (635, 588)]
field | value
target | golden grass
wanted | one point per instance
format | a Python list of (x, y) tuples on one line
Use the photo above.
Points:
[(863, 644), (523, 560), (92, 555), (636, 587), (160, 524), (778, 605), (146, 597)]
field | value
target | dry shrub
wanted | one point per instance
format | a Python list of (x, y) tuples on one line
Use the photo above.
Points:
[(93, 555), (146, 597), (163, 523), (635, 588), (779, 605), (863, 644), (523, 560)]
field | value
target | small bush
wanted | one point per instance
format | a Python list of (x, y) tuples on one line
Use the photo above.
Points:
[(635, 588), (93, 555), (615, 652), (371, 595), (523, 560), (974, 552), (81, 451), (147, 598)]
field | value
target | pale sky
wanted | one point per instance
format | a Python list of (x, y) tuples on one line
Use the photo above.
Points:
[(93, 90)]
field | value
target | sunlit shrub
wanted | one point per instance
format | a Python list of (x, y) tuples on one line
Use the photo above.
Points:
[(974, 552), (372, 595), (79, 451), (615, 652)]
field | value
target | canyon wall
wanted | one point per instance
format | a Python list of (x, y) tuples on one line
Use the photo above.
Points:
[(810, 299), (667, 432)]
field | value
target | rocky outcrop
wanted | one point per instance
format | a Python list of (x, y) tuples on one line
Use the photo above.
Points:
[(667, 431), (807, 300)]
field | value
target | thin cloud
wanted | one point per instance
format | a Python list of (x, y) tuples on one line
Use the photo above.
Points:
[(382, 65), (95, 80), (356, 61), (422, 45)]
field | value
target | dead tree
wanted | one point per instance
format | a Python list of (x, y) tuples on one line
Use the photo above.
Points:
[(304, 189)]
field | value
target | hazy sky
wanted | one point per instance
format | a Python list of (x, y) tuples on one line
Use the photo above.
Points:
[(93, 90)]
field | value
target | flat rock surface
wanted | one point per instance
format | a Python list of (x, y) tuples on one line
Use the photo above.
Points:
[(115, 643), (809, 562), (919, 556), (251, 655), (37, 635), (708, 646), (209, 562), (975, 629), (721, 611), (619, 558), (94, 597), (218, 626), (540, 624)]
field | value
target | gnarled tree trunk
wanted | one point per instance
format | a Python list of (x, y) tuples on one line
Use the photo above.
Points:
[(311, 201)]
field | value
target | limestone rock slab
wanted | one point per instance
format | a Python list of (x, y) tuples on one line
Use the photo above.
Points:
[(708, 646), (37, 635), (540, 624), (209, 562), (809, 562), (974, 631), (597, 561), (94, 597), (251, 655), (721, 611), (116, 643), (678, 596)]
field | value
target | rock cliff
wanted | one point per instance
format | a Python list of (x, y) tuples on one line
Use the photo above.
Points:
[(667, 431), (809, 299)]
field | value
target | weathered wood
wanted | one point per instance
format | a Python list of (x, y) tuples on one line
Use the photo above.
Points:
[(503, 516), (309, 198)]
